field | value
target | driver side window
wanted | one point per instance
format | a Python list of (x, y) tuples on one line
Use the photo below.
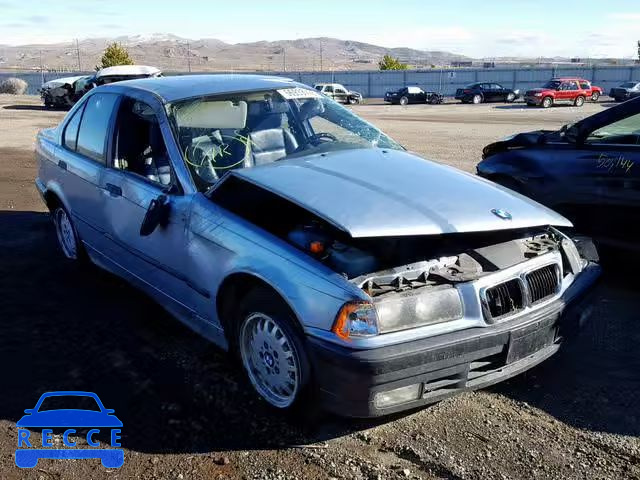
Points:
[(140, 148)]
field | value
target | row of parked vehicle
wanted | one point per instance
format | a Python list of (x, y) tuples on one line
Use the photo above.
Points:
[(574, 91), (65, 92)]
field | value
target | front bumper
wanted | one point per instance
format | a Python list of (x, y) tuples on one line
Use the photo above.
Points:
[(444, 365), (533, 100)]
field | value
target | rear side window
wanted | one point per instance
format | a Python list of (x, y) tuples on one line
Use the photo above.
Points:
[(95, 125), (70, 137)]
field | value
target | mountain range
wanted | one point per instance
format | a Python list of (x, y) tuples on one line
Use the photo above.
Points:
[(172, 53)]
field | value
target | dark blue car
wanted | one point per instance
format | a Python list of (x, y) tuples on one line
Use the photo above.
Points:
[(588, 171)]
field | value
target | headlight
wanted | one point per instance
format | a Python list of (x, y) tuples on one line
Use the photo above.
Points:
[(539, 94), (356, 319), (415, 309)]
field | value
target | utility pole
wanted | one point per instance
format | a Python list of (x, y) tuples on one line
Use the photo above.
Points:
[(321, 55), (284, 59), (78, 54), (41, 67), (189, 56)]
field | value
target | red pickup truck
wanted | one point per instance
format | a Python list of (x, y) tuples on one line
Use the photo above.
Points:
[(563, 90)]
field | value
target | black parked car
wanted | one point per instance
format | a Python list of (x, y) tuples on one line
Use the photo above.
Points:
[(486, 92), (407, 95), (625, 91), (588, 171)]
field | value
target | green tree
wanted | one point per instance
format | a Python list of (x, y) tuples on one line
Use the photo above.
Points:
[(114, 54), (390, 63)]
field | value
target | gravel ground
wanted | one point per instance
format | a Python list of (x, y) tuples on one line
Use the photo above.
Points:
[(188, 413)]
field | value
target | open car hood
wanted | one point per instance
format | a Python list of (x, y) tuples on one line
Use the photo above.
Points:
[(374, 193)]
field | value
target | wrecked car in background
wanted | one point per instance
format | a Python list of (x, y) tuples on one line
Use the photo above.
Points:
[(120, 73), (64, 92), (588, 171), (281, 226)]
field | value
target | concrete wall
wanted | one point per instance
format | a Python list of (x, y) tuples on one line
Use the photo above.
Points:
[(445, 81)]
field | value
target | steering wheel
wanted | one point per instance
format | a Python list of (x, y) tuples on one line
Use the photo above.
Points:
[(320, 137)]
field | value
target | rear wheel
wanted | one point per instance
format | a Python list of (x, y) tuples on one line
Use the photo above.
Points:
[(477, 99), (404, 101), (547, 102), (271, 349), (579, 101), (67, 235), (595, 96)]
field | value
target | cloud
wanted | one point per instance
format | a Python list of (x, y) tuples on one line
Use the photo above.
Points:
[(626, 17), (37, 19)]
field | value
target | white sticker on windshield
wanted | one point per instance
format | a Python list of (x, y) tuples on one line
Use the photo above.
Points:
[(293, 93)]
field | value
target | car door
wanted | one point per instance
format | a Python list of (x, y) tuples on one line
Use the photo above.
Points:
[(564, 92), (82, 160), (340, 94), (595, 181), (500, 93), (487, 92), (328, 91), (139, 172)]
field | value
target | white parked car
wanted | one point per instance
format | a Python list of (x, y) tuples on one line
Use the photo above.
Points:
[(339, 93)]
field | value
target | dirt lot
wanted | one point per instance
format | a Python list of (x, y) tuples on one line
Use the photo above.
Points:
[(187, 412)]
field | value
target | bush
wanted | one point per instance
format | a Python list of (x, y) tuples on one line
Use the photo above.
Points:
[(13, 86)]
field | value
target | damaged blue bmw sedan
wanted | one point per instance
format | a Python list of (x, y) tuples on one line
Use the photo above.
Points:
[(281, 226)]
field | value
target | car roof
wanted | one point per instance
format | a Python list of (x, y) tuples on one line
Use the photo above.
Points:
[(179, 87)]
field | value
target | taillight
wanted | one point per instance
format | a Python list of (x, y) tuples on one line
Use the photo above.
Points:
[(466, 90)]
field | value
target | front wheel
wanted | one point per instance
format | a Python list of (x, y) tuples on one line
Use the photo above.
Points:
[(511, 98), (353, 101), (404, 101), (547, 102), (579, 101), (595, 96), (271, 349)]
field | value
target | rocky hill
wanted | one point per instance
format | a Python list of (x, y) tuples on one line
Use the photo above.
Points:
[(172, 53)]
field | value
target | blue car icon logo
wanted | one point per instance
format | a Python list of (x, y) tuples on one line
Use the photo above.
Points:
[(90, 413)]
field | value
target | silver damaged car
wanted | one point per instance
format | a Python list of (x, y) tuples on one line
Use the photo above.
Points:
[(340, 268)]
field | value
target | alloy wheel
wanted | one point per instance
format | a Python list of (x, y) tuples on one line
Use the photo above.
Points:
[(270, 359), (66, 234)]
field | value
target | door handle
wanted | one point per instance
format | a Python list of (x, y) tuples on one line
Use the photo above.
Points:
[(62, 164), (114, 190)]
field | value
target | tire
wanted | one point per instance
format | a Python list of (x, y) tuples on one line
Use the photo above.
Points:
[(476, 99), (270, 345), (579, 101), (547, 102), (353, 101), (511, 98), (595, 96), (67, 235), (404, 101)]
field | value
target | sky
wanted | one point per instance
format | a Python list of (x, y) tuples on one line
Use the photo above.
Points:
[(586, 28)]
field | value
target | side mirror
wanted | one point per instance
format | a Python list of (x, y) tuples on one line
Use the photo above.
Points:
[(29, 411), (109, 411), (157, 214)]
